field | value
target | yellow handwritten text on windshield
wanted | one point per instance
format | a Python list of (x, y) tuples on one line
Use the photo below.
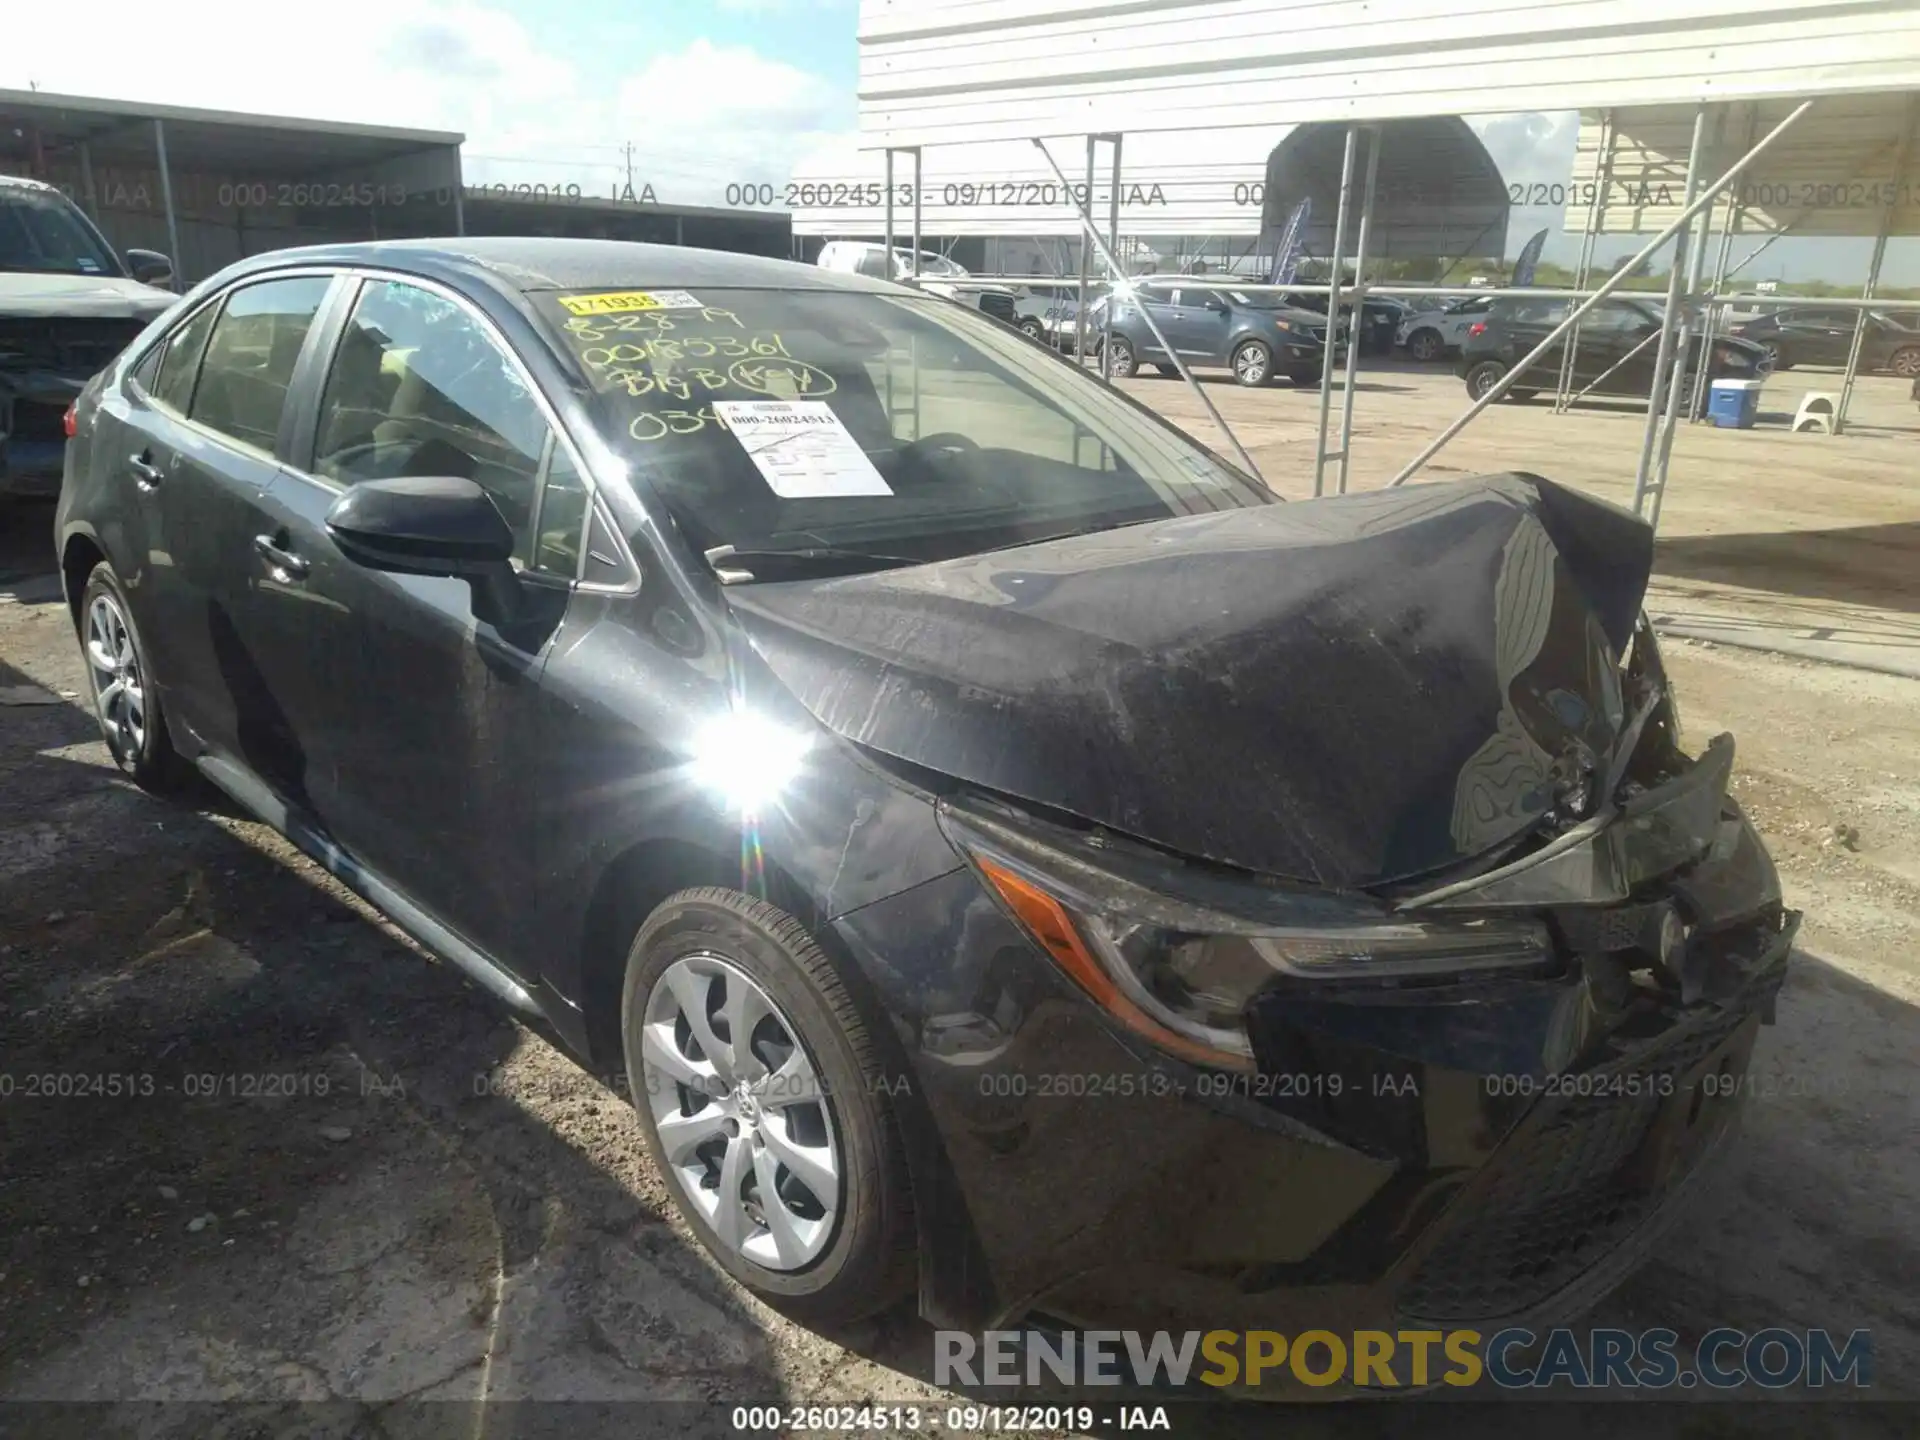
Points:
[(649, 353)]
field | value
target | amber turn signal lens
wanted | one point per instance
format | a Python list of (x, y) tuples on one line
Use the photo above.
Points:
[(1047, 921)]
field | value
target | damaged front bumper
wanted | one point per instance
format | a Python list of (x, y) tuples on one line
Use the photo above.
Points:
[(1468, 1151)]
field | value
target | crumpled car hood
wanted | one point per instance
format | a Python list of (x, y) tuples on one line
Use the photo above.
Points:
[(107, 297), (1345, 692)]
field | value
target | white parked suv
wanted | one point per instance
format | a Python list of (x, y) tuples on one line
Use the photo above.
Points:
[(1430, 334), (938, 275)]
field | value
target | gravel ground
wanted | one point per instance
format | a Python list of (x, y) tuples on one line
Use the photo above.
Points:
[(331, 1170)]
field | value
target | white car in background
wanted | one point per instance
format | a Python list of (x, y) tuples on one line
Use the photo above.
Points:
[(1431, 334), (938, 275)]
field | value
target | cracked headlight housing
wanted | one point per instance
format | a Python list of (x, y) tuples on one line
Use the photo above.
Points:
[(1181, 973)]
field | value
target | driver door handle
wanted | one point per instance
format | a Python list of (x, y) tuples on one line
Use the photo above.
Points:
[(145, 473), (283, 562)]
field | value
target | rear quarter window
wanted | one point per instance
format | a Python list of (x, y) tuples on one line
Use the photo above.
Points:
[(169, 370)]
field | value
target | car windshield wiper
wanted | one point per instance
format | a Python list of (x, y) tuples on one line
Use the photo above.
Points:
[(732, 566)]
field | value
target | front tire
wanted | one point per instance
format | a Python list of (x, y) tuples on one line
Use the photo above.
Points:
[(1121, 363), (126, 698), (1252, 363), (1425, 345), (779, 1145), (1905, 361)]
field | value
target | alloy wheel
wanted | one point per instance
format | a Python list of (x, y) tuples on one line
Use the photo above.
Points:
[(1250, 364), (119, 690), (741, 1113), (1906, 362), (1424, 346)]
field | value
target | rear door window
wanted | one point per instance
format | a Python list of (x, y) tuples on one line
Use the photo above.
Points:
[(242, 389)]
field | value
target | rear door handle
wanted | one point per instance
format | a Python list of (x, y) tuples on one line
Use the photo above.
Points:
[(283, 562), (145, 473)]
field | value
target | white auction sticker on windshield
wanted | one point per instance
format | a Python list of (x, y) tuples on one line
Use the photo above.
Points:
[(800, 448)]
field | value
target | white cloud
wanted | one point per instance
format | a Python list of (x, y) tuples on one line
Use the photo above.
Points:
[(696, 119), (1530, 146)]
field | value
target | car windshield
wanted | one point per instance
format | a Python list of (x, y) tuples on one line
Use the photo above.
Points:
[(40, 230), (903, 426)]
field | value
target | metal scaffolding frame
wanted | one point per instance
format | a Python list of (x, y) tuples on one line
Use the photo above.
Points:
[(1873, 267), (1691, 233)]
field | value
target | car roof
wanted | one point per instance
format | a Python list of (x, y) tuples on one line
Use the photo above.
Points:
[(23, 183), (533, 264)]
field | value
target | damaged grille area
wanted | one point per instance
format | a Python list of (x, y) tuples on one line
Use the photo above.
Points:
[(1569, 1190), (72, 346)]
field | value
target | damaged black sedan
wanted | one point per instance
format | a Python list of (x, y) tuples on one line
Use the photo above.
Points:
[(1007, 856)]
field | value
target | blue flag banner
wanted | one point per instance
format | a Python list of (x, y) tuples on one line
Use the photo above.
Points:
[(1523, 268), (1286, 255)]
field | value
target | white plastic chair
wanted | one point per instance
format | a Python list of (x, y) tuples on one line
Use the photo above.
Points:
[(1816, 412)]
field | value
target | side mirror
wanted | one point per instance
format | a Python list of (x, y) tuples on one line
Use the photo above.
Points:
[(149, 267), (1214, 302), (431, 525)]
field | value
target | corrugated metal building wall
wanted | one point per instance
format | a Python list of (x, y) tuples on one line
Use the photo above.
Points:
[(946, 71), (1204, 90)]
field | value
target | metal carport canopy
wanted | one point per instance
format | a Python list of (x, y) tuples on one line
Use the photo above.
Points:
[(1223, 183), (217, 141), (937, 72), (1848, 167)]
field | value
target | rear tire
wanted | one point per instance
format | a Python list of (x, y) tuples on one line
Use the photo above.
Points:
[(126, 694), (705, 947), (1483, 377), (1167, 370)]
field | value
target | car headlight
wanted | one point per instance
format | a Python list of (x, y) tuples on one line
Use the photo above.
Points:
[(1182, 974)]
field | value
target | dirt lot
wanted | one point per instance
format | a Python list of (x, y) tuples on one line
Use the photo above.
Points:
[(330, 1169)]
